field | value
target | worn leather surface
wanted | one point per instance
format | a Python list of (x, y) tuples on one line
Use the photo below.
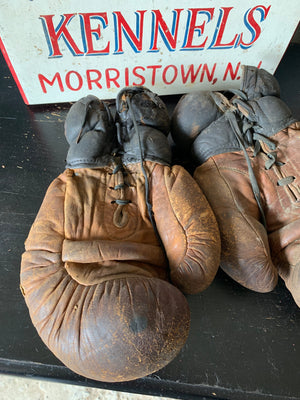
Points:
[(102, 297), (245, 253), (206, 132), (256, 203), (91, 134), (257, 83), (251, 254), (144, 124), (193, 113), (193, 253), (120, 236)]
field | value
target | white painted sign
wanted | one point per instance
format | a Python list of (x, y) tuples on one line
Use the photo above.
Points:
[(60, 51)]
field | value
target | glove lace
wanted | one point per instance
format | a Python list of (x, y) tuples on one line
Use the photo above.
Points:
[(250, 134), (256, 132), (148, 203), (231, 118), (121, 216)]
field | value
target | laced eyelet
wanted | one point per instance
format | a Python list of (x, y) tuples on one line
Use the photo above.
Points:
[(286, 181)]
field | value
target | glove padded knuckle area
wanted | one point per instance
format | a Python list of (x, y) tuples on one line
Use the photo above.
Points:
[(245, 254), (187, 227), (115, 331), (104, 320)]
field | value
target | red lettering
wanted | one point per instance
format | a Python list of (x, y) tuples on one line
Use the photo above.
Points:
[(53, 34), (95, 80), (219, 32), (109, 78), (164, 74), (141, 77), (233, 74), (68, 80), (191, 72), (253, 26), (56, 77), (210, 75), (192, 28), (121, 25), (159, 24), (126, 76), (89, 32), (154, 69)]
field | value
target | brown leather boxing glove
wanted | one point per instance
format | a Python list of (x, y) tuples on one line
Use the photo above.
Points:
[(247, 151), (95, 275), (184, 221)]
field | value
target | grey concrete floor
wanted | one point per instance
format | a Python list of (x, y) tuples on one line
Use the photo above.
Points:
[(15, 388)]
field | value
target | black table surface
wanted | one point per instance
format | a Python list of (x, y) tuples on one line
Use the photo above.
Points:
[(242, 344)]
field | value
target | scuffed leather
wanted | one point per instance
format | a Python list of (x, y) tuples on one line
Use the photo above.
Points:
[(101, 297), (245, 253), (193, 253), (251, 254), (258, 217), (271, 114), (144, 125), (120, 235), (90, 133), (258, 82)]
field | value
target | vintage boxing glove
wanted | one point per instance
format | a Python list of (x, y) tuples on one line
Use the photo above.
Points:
[(94, 274), (247, 156), (184, 220)]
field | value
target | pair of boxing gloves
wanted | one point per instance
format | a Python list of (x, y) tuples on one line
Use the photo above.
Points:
[(122, 233)]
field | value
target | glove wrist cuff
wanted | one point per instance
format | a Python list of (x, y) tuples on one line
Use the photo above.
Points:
[(89, 162)]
